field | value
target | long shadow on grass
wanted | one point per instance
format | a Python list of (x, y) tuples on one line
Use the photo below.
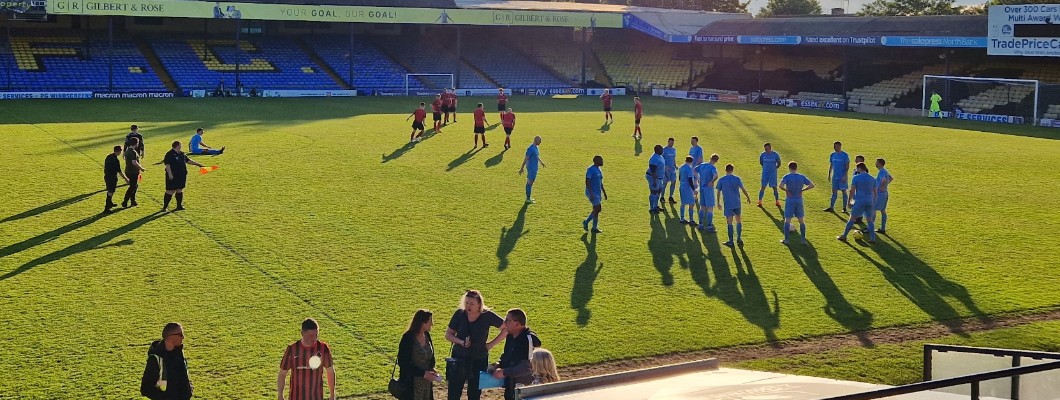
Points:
[(154, 137), (96, 242), (584, 279), (605, 127), (510, 237), (662, 249), (462, 159), (854, 318), (637, 147), (400, 151), (495, 160), (921, 284), (49, 207), (49, 236)]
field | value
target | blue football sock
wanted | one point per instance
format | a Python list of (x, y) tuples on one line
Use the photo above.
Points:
[(587, 219), (739, 231), (730, 232), (883, 222), (672, 187), (529, 188), (802, 229), (850, 225), (761, 192), (702, 221), (787, 227), (710, 218), (776, 195), (653, 202), (872, 230), (682, 212), (596, 221), (832, 204), (845, 202)]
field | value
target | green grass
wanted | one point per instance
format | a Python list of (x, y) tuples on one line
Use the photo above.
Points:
[(321, 210)]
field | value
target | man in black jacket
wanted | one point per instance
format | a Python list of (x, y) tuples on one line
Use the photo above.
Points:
[(514, 366), (111, 172), (166, 374), (134, 132)]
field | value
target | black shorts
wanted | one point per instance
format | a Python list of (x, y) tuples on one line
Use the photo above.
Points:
[(508, 131), (636, 121), (607, 109), (112, 185), (438, 116), (502, 107), (480, 129), (447, 109), (417, 125), (178, 182)]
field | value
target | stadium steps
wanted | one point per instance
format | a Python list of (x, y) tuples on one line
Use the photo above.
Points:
[(315, 58), (599, 73), (397, 60), (471, 67), (156, 65)]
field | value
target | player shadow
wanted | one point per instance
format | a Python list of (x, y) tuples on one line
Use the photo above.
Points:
[(605, 127), (182, 131), (492, 127), (95, 242), (661, 248), (637, 147), (496, 159), (922, 285), (51, 206), (854, 318), (49, 236), (510, 237), (400, 151), (463, 158), (584, 279)]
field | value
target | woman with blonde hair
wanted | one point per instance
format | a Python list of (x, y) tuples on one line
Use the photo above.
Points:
[(468, 331), (544, 367)]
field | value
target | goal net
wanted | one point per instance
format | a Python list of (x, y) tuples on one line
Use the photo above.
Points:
[(428, 82), (986, 99)]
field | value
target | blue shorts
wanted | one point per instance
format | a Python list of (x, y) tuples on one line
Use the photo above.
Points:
[(531, 174), (654, 185), (793, 208), (688, 196), (594, 200), (670, 175), (769, 180), (732, 212), (881, 201), (706, 196), (861, 208), (839, 184)]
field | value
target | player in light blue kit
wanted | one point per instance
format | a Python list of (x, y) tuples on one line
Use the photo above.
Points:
[(838, 166), (770, 161), (654, 176), (670, 175), (688, 191), (530, 163), (729, 188), (793, 185), (863, 189), (594, 190), (707, 175), (696, 152), (883, 183)]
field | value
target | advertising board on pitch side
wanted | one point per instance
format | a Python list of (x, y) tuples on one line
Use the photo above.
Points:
[(1024, 30)]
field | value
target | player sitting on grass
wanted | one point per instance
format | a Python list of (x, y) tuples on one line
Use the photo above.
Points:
[(199, 148)]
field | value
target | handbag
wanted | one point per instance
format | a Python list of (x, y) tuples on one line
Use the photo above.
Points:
[(395, 387)]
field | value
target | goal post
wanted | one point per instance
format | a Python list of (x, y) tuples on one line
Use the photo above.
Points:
[(992, 97), (428, 82)]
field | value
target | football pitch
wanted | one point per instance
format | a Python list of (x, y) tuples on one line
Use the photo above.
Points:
[(321, 209)]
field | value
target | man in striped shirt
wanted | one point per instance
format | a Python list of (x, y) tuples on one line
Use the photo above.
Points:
[(305, 361)]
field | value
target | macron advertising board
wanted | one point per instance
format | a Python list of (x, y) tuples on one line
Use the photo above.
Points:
[(1024, 30), (329, 13)]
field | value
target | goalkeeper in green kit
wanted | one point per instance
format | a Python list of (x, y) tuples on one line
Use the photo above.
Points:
[(935, 109)]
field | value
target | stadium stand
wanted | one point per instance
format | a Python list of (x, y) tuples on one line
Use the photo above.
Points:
[(508, 67), (645, 64), (824, 68), (563, 60), (425, 57), (371, 67), (61, 63), (887, 91), (264, 63), (1052, 111)]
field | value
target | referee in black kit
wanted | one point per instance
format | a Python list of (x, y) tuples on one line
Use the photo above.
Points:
[(111, 172), (176, 175)]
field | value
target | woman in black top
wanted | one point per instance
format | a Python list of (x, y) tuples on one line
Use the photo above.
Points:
[(416, 358), (468, 330)]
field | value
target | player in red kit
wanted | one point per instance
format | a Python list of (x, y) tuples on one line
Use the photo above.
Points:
[(447, 106), (480, 126), (436, 107), (606, 97), (502, 103), (508, 122), (638, 110), (417, 124)]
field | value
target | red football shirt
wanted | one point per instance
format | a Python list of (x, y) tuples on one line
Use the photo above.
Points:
[(480, 117), (447, 100), (306, 383), (639, 108), (420, 114), (502, 99), (607, 100), (436, 105), (508, 120)]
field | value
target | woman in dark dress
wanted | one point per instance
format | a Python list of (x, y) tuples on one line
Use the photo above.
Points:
[(416, 358), (468, 331)]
